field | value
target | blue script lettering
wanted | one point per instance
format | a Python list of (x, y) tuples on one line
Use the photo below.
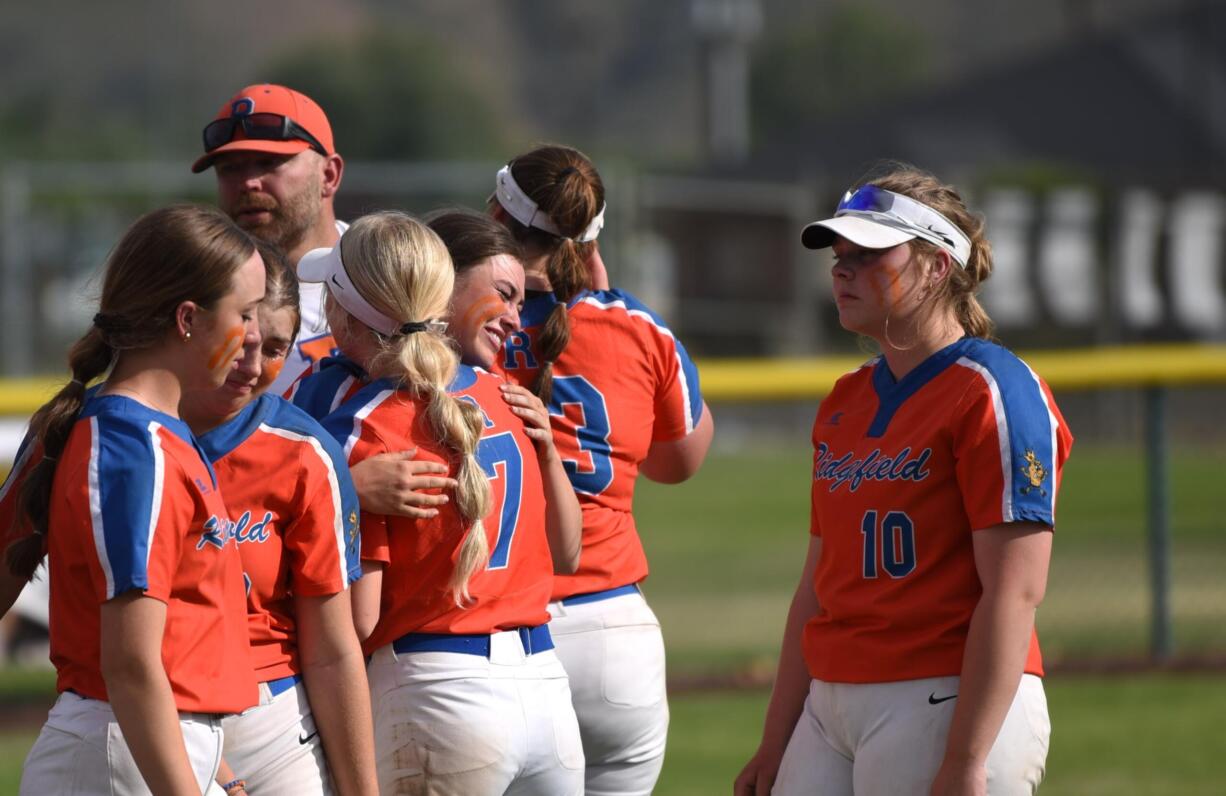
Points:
[(256, 533), (216, 532), (873, 467), (219, 532)]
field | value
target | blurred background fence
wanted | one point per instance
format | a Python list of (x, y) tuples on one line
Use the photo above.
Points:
[(719, 257), (1091, 133), (1076, 269)]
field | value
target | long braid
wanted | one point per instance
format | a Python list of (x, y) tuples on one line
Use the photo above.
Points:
[(426, 364), (403, 268), (568, 276)]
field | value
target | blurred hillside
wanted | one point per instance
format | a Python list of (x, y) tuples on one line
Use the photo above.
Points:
[(136, 79)]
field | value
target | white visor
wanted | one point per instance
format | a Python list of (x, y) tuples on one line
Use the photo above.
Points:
[(325, 265), (875, 218), (521, 208)]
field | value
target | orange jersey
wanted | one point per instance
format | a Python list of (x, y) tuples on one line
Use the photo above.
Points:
[(13, 524), (135, 506), (904, 472), (623, 382), (295, 520), (420, 555)]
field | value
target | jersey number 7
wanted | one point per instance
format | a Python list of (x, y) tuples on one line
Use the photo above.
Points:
[(500, 458)]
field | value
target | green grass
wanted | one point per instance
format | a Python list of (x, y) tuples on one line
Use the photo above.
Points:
[(22, 684), (726, 550), (1148, 735), (13, 748), (1153, 735), (727, 547)]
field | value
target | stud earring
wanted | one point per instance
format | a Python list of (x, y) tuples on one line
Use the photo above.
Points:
[(187, 336)]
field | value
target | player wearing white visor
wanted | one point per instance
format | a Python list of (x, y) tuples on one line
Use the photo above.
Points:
[(875, 218), (909, 664)]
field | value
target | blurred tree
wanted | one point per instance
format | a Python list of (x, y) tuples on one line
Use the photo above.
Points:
[(395, 95), (851, 57)]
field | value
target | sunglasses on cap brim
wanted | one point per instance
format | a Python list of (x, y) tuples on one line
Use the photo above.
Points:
[(259, 127)]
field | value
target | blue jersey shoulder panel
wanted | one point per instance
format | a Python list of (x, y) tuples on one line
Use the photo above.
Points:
[(1028, 421), (317, 391)]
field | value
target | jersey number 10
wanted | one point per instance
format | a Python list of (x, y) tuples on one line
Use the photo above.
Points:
[(894, 537)]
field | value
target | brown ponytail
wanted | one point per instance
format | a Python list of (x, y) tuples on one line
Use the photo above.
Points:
[(960, 290), (176, 254), (566, 186)]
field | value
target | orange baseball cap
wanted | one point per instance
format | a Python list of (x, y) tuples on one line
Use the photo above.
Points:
[(295, 106)]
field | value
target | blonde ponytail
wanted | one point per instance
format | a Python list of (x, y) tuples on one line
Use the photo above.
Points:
[(425, 364), (402, 268)]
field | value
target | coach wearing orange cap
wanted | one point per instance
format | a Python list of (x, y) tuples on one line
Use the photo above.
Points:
[(277, 175)]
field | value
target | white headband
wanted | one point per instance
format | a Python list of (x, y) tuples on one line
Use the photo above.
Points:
[(525, 211), (325, 265)]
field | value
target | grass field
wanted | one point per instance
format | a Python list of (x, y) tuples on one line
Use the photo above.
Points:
[(1148, 735), (726, 550), (1140, 735)]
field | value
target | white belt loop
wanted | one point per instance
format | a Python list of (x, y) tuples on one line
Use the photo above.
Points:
[(507, 649)]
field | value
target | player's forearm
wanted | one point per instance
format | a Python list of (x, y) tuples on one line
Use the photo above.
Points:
[(792, 678), (130, 658), (144, 706), (563, 517), (340, 702), (364, 594), (992, 666), (334, 672)]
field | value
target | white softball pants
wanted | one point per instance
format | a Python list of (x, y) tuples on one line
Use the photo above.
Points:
[(275, 745), (457, 724), (81, 751), (614, 655), (888, 739)]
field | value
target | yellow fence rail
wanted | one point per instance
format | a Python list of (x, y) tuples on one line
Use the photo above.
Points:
[(1135, 366), (1152, 369)]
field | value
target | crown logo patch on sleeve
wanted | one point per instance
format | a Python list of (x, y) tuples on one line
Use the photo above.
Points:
[(1035, 473)]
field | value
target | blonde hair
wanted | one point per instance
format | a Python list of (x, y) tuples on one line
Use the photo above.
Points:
[(959, 291), (402, 268)]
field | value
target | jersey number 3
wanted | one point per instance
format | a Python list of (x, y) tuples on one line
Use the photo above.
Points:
[(894, 537), (575, 398)]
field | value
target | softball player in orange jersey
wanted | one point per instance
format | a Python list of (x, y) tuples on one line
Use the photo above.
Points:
[(909, 662), (624, 399), (469, 697), (143, 569)]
